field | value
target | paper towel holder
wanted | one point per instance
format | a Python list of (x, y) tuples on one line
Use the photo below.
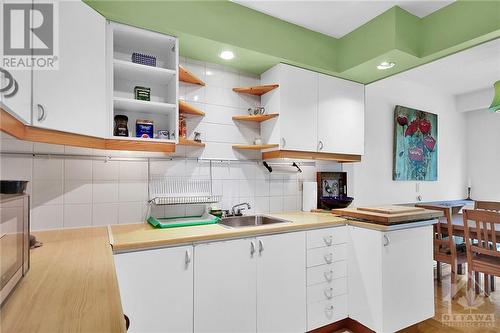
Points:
[(294, 166)]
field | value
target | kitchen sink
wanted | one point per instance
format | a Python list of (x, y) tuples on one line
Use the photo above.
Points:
[(250, 221)]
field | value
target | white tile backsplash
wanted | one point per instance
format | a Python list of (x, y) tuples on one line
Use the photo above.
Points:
[(79, 215), (105, 170), (46, 217), (105, 191), (104, 214), (77, 192)]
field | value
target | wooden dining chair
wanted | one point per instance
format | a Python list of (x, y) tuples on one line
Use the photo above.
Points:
[(445, 249), (489, 283), (482, 257)]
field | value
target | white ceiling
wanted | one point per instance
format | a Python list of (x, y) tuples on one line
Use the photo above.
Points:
[(337, 18), (471, 70)]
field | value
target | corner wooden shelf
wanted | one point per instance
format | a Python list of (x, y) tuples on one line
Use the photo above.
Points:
[(256, 118), (12, 126), (256, 90), (188, 109), (188, 77), (310, 156), (186, 142), (255, 147)]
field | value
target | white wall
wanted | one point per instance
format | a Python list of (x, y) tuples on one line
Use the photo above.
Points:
[(370, 182), (75, 193), (483, 154)]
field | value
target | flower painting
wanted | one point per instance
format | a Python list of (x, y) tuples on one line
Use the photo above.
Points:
[(415, 144)]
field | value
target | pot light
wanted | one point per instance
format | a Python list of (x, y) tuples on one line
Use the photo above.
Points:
[(386, 65), (226, 55)]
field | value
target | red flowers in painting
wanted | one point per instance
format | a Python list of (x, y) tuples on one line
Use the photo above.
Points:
[(412, 128), (416, 154), (429, 142), (402, 120), (424, 126)]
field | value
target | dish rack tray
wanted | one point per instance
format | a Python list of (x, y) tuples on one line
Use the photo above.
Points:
[(181, 191)]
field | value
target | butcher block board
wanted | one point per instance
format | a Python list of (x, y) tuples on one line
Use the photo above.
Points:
[(388, 219), (392, 209)]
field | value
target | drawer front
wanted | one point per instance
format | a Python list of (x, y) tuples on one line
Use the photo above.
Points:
[(327, 290), (326, 237), (326, 273), (326, 312), (326, 255)]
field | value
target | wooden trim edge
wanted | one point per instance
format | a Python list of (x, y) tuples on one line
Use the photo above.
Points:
[(346, 323), (14, 127), (310, 156)]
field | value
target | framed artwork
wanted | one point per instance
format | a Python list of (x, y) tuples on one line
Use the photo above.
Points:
[(415, 144)]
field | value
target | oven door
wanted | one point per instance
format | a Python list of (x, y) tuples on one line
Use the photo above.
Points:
[(12, 244)]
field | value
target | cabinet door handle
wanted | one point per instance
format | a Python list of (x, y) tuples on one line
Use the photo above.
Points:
[(328, 275), (41, 113), (329, 308), (283, 141), (329, 258), (386, 240), (261, 246), (252, 247), (328, 240), (187, 257), (329, 293), (320, 145)]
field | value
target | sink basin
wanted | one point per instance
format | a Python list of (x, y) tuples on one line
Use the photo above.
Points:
[(250, 221)]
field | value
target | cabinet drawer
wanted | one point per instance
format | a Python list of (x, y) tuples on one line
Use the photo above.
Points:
[(326, 237), (326, 255), (326, 312), (327, 290), (326, 273)]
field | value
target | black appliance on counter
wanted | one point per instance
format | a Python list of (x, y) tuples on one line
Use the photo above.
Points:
[(332, 190)]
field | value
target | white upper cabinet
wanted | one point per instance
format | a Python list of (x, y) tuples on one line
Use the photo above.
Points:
[(317, 112), (73, 97), (341, 112)]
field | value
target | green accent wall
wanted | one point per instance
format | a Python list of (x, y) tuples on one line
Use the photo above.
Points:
[(260, 41)]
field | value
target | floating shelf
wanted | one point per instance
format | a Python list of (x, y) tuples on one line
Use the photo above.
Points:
[(255, 147), (256, 90), (186, 142), (131, 71), (188, 109), (257, 118), (292, 154), (187, 76), (135, 105)]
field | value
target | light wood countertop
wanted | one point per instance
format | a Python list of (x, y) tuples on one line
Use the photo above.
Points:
[(71, 286)]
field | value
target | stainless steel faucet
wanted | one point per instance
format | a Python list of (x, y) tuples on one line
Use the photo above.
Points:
[(237, 212)]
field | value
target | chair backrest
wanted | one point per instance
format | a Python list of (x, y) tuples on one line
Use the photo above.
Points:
[(484, 230), (439, 242), (487, 205)]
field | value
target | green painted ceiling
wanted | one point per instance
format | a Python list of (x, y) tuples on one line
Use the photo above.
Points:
[(260, 41)]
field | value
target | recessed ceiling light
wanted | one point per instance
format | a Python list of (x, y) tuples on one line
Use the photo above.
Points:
[(226, 55), (386, 65)]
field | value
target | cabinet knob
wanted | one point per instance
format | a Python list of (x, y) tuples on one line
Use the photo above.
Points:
[(41, 113), (386, 240), (283, 142), (187, 257), (328, 240), (252, 247), (329, 308), (329, 258), (328, 275), (261, 246), (320, 145), (329, 293)]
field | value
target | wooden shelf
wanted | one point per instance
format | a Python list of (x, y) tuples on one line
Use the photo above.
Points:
[(17, 129), (186, 142), (135, 105), (142, 73), (187, 109), (255, 147), (256, 90), (187, 76), (257, 118), (310, 156)]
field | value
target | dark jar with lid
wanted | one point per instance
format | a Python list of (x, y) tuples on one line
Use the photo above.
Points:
[(121, 128)]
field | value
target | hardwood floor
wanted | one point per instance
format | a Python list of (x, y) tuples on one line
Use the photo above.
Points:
[(453, 316)]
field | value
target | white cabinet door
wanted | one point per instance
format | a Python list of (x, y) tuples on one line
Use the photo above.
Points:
[(340, 116), (224, 286), (281, 283), (298, 108), (73, 98), (156, 289), (408, 278)]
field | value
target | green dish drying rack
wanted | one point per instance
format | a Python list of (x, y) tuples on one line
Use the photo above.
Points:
[(181, 191)]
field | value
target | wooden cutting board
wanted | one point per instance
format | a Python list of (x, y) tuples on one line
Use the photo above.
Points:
[(392, 209), (388, 219)]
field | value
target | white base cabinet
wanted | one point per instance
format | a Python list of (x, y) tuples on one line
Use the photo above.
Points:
[(156, 288), (391, 277)]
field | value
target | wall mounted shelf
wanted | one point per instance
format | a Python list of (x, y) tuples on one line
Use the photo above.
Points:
[(148, 74), (256, 90), (255, 147), (188, 109), (188, 77), (135, 105), (310, 156), (19, 130), (256, 118), (187, 142)]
